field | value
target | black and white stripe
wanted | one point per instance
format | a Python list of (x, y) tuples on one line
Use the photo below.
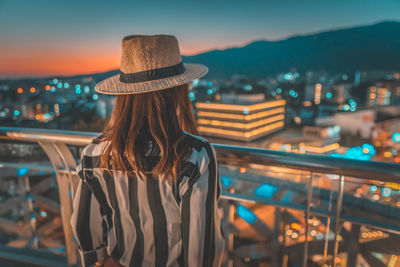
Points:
[(147, 221)]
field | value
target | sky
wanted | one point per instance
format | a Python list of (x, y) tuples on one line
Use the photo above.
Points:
[(55, 37)]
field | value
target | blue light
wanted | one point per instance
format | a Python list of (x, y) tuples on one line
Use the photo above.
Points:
[(248, 87), (95, 97), (279, 90), (357, 153), (288, 197), (373, 188), (66, 85), (352, 103), (195, 82), (192, 96), (46, 116), (43, 214), (346, 107), (209, 83), (77, 86), (210, 91), (288, 76), (329, 95), (22, 171), (52, 89), (59, 85), (78, 91), (246, 214), (396, 137), (55, 81), (246, 111), (17, 112), (292, 92), (266, 190), (227, 181), (86, 89)]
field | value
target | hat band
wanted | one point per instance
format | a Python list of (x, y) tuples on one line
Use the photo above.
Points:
[(149, 75)]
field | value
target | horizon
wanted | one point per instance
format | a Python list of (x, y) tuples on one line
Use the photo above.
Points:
[(67, 39), (201, 52)]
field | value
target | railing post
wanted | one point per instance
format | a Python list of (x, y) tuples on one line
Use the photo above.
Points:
[(285, 257), (328, 227), (276, 251), (337, 219), (61, 159), (308, 213), (352, 245), (230, 220)]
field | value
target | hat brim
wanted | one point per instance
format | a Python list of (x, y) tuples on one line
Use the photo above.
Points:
[(113, 86)]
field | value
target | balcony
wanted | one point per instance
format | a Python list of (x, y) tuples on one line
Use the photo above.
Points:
[(280, 209)]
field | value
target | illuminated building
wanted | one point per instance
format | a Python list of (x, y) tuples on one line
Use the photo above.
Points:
[(240, 121), (378, 96), (317, 96), (314, 140)]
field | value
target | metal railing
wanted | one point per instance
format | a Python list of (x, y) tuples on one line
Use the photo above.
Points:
[(254, 167)]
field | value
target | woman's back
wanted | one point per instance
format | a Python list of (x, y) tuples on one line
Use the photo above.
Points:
[(141, 220)]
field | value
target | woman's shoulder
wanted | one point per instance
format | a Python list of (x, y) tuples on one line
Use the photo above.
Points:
[(203, 152), (197, 142), (90, 154), (94, 148)]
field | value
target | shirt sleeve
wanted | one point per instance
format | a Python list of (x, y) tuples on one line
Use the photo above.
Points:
[(205, 241), (88, 224)]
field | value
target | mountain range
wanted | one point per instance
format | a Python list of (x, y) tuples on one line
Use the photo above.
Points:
[(371, 47)]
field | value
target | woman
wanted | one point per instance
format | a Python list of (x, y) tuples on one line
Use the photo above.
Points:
[(149, 188)]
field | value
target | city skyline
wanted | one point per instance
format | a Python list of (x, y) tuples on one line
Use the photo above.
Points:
[(46, 38)]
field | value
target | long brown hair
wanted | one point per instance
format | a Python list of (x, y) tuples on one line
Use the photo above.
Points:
[(158, 118)]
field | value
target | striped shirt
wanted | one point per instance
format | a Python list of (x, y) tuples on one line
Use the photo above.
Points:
[(142, 221)]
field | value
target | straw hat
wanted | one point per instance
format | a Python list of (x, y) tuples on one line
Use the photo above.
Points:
[(150, 63)]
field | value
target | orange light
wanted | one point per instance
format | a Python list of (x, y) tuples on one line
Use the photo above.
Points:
[(324, 149), (365, 150), (317, 97), (20, 90), (247, 135), (37, 116), (387, 154), (243, 108), (307, 103), (253, 116), (295, 226), (33, 89), (239, 125), (47, 87), (242, 170)]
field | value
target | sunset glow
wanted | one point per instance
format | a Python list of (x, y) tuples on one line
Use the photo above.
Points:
[(42, 38)]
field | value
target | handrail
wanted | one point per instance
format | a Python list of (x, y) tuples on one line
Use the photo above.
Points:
[(380, 171), (54, 143)]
